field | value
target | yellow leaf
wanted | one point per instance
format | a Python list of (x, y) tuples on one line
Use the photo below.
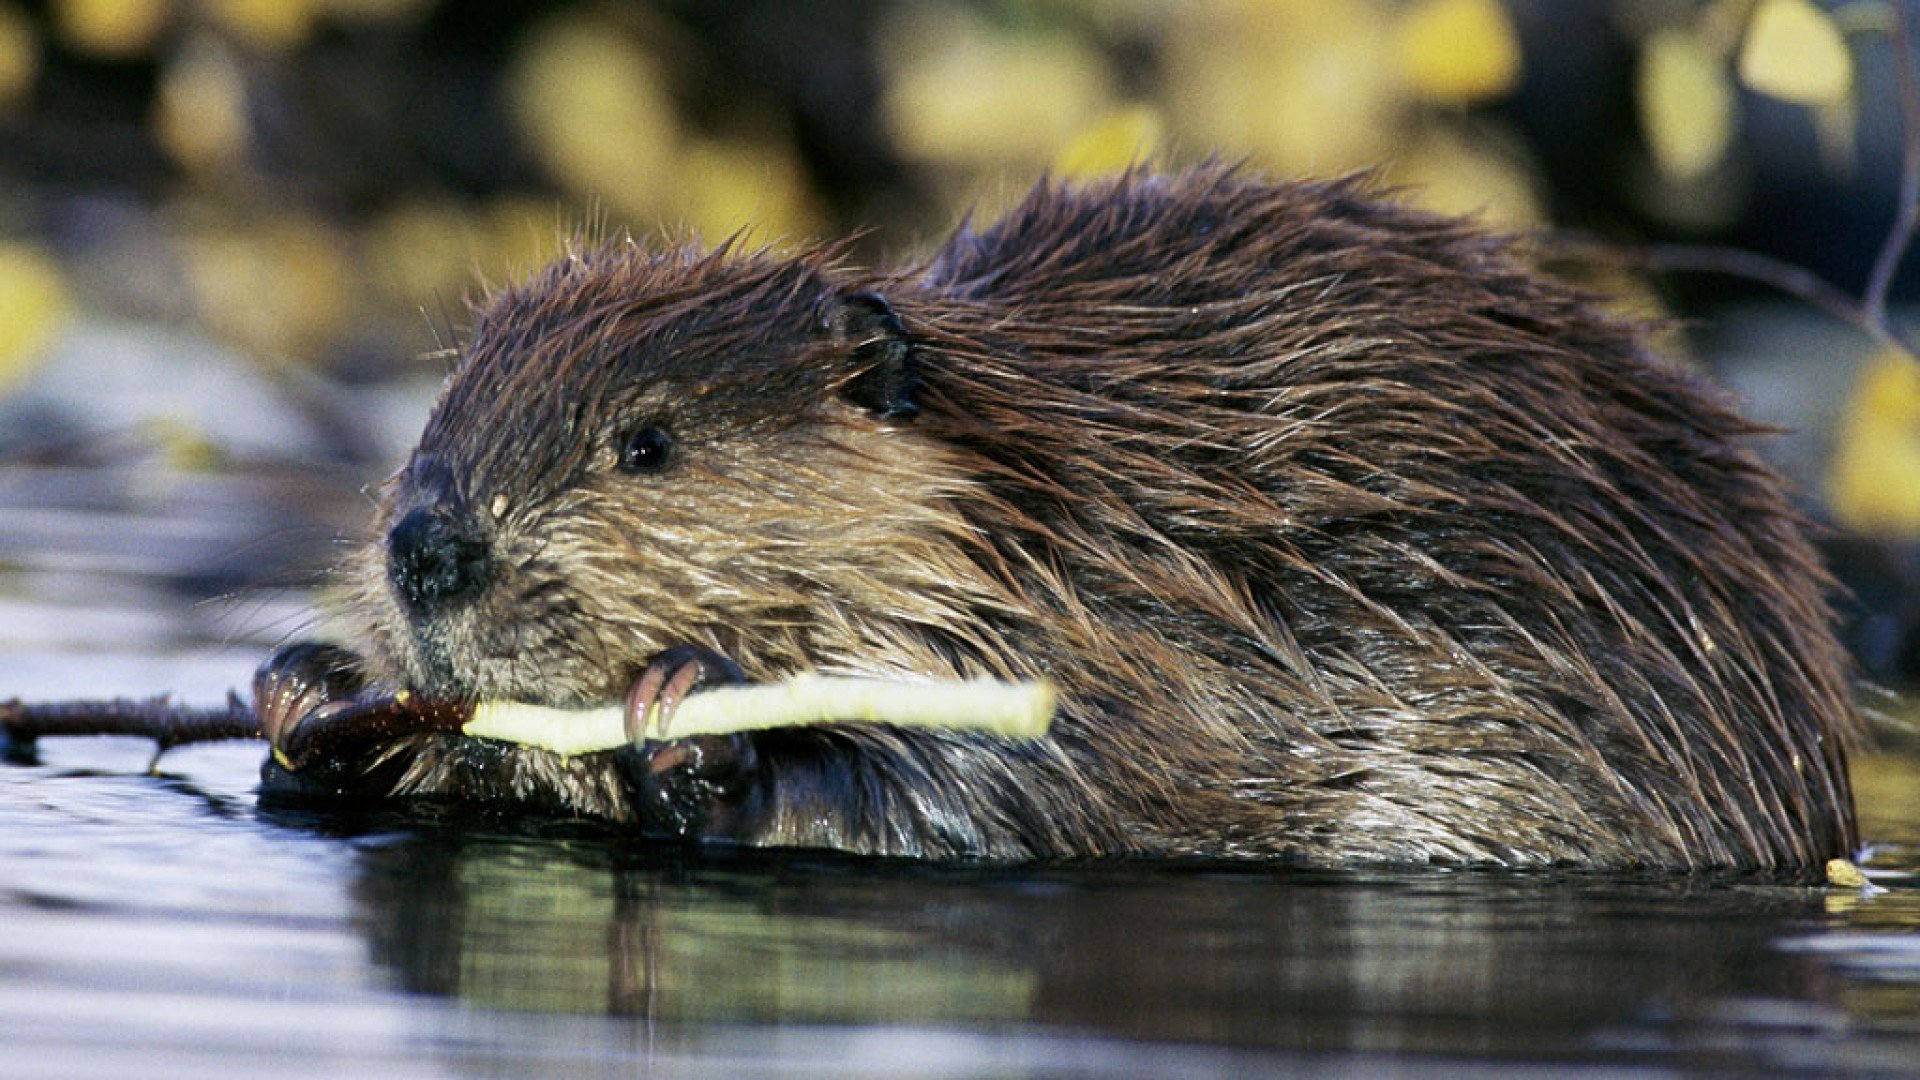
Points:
[(111, 27), (1301, 87), (1874, 481), (1794, 52), (182, 447), (19, 54), (519, 234), (1687, 105), (961, 91), (269, 24), (421, 251), (1845, 874), (277, 288), (200, 111), (376, 11), (1458, 51), (1111, 144), (1471, 172), (724, 187), (596, 110), (33, 309)]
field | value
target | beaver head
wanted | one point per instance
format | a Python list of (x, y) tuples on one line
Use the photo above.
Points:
[(640, 449)]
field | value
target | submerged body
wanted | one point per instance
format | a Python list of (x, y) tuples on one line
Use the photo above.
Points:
[(1344, 536)]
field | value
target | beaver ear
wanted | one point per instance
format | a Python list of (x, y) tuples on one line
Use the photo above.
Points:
[(882, 354)]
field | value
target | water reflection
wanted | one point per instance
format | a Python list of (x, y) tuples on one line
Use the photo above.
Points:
[(1425, 963), (529, 924), (168, 920)]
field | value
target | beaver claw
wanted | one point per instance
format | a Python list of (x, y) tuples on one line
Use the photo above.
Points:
[(667, 681), (299, 679), (298, 685), (683, 787)]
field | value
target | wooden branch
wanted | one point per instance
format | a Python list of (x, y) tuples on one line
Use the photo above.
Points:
[(1011, 710), (351, 728), (157, 718), (1795, 281)]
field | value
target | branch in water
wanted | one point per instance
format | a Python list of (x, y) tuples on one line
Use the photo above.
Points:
[(337, 730), (158, 719)]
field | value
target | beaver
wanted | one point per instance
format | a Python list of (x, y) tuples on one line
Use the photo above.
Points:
[(1345, 535)]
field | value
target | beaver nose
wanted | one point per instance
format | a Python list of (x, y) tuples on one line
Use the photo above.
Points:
[(435, 558)]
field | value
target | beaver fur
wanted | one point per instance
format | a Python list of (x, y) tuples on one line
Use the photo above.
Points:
[(1345, 535)]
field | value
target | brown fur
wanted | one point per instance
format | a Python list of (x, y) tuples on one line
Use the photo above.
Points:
[(1346, 537)]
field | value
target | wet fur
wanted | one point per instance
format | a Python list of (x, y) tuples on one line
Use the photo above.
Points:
[(1346, 537)]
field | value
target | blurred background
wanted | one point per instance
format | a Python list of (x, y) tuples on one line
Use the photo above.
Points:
[(239, 237)]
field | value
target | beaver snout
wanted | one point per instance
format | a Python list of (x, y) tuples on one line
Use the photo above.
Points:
[(437, 559)]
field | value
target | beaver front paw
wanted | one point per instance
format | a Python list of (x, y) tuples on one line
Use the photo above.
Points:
[(329, 731), (684, 787), (306, 697), (690, 788), (300, 678)]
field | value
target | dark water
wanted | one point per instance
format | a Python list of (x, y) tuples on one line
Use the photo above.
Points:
[(162, 924)]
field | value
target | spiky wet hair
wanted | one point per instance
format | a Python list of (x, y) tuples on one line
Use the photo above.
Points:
[(1345, 534)]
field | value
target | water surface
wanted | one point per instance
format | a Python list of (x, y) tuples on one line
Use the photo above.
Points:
[(165, 925)]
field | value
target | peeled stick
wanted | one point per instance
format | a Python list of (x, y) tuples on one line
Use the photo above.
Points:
[(1012, 710)]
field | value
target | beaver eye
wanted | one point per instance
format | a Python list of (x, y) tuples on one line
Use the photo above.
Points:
[(646, 450)]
